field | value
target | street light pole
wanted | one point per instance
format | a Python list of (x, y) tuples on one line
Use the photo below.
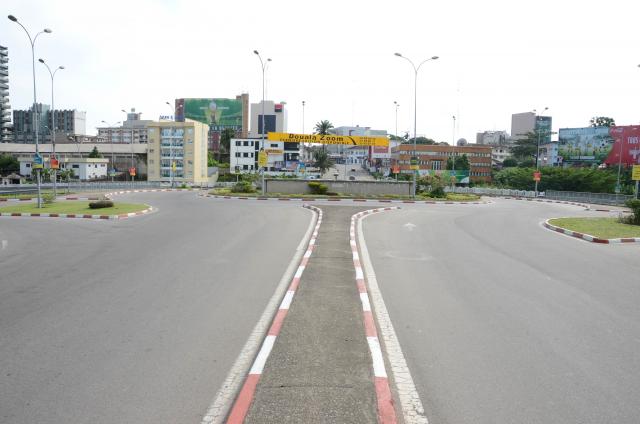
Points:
[(32, 41), (132, 164), (397, 106), (538, 147), (263, 65), (303, 143), (415, 108), (53, 123), (453, 154)]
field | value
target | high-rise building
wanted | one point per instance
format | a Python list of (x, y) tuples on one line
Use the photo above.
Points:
[(133, 130), (68, 122), (5, 106), (492, 137), (274, 119), (177, 151), (218, 113), (523, 123)]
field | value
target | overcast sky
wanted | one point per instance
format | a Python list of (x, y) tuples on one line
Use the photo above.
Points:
[(496, 58)]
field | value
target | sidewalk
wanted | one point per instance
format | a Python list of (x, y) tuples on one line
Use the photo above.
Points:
[(320, 367)]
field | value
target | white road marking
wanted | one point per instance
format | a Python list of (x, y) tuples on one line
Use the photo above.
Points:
[(286, 302), (261, 359), (5, 243), (364, 298), (410, 402), (376, 355), (409, 226), (219, 408)]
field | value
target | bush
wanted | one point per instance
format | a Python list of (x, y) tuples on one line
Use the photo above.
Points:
[(243, 187), (48, 198), (318, 188), (101, 204), (634, 205), (437, 192)]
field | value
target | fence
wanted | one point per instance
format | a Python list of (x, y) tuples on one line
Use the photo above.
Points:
[(598, 198), (484, 191)]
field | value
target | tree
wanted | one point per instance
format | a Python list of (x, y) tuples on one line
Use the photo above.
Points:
[(462, 163), (225, 140), (602, 121), (95, 153), (8, 164), (526, 147), (509, 163), (322, 160), (420, 140), (323, 127)]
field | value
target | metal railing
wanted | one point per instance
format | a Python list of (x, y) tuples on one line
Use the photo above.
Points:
[(582, 197), (485, 191)]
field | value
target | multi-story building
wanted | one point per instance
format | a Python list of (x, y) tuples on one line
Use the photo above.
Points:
[(492, 137), (281, 156), (275, 118), (84, 169), (68, 123), (133, 129), (218, 113), (5, 105), (499, 153), (177, 151), (433, 159), (526, 122)]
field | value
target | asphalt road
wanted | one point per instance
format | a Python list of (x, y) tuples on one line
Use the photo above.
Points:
[(135, 321), (502, 321)]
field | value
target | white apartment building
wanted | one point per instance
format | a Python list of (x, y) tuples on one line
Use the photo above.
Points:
[(275, 118), (84, 169), (499, 154), (281, 156)]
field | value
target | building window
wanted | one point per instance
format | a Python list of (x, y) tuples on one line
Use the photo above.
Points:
[(245, 167), (245, 143), (238, 143), (75, 166), (237, 154), (245, 155)]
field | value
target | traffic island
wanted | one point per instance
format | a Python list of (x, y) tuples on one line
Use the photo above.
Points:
[(596, 230), (75, 209)]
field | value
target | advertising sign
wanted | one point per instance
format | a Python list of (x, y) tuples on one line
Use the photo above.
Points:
[(132, 172), (584, 145), (414, 163), (635, 173), (395, 169), (448, 176), (627, 143), (215, 112), (38, 162), (328, 139), (536, 176), (262, 159), (53, 163)]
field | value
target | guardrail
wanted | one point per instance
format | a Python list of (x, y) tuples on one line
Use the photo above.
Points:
[(485, 191), (584, 197)]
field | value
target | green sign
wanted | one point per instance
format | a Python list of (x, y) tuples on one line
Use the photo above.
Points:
[(217, 113)]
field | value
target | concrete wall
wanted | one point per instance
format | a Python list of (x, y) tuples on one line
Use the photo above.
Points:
[(355, 188)]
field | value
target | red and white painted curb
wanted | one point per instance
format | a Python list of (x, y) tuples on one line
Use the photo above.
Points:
[(588, 237), (386, 409), (245, 396), (71, 215), (329, 199)]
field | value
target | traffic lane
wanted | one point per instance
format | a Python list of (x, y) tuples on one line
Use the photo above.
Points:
[(137, 320), (503, 321)]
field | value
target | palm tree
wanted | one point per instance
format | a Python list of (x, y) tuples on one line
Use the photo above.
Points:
[(322, 160), (323, 127)]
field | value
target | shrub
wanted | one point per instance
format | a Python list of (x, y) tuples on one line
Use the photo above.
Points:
[(318, 188), (634, 205), (101, 204), (48, 198), (243, 187), (437, 192)]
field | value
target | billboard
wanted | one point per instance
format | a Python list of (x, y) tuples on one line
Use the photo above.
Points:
[(215, 112), (626, 141), (584, 146), (448, 176), (543, 125)]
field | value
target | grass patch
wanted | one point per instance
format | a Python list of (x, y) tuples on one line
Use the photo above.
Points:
[(32, 195), (74, 207), (451, 197), (598, 227)]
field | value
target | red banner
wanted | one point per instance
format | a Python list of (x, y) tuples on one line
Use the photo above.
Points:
[(627, 141)]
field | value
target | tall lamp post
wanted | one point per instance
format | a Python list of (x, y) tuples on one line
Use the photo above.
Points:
[(538, 146), (304, 152), (397, 106), (32, 41), (415, 108), (53, 123), (453, 154), (112, 171), (263, 65)]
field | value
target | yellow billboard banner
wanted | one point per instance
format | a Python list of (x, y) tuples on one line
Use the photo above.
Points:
[(635, 172), (329, 139), (262, 159), (274, 151)]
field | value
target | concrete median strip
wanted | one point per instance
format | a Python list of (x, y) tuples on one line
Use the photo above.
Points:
[(588, 237), (410, 404), (70, 215), (352, 200)]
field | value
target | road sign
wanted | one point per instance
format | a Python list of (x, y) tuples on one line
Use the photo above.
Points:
[(635, 172), (53, 163), (262, 159), (536, 176), (395, 169), (329, 139), (38, 162), (414, 163), (112, 172), (132, 172)]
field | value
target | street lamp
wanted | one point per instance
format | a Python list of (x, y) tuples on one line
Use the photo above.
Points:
[(538, 146), (172, 110), (397, 106), (263, 65), (32, 41), (113, 160), (53, 122), (453, 154), (304, 150), (415, 107)]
